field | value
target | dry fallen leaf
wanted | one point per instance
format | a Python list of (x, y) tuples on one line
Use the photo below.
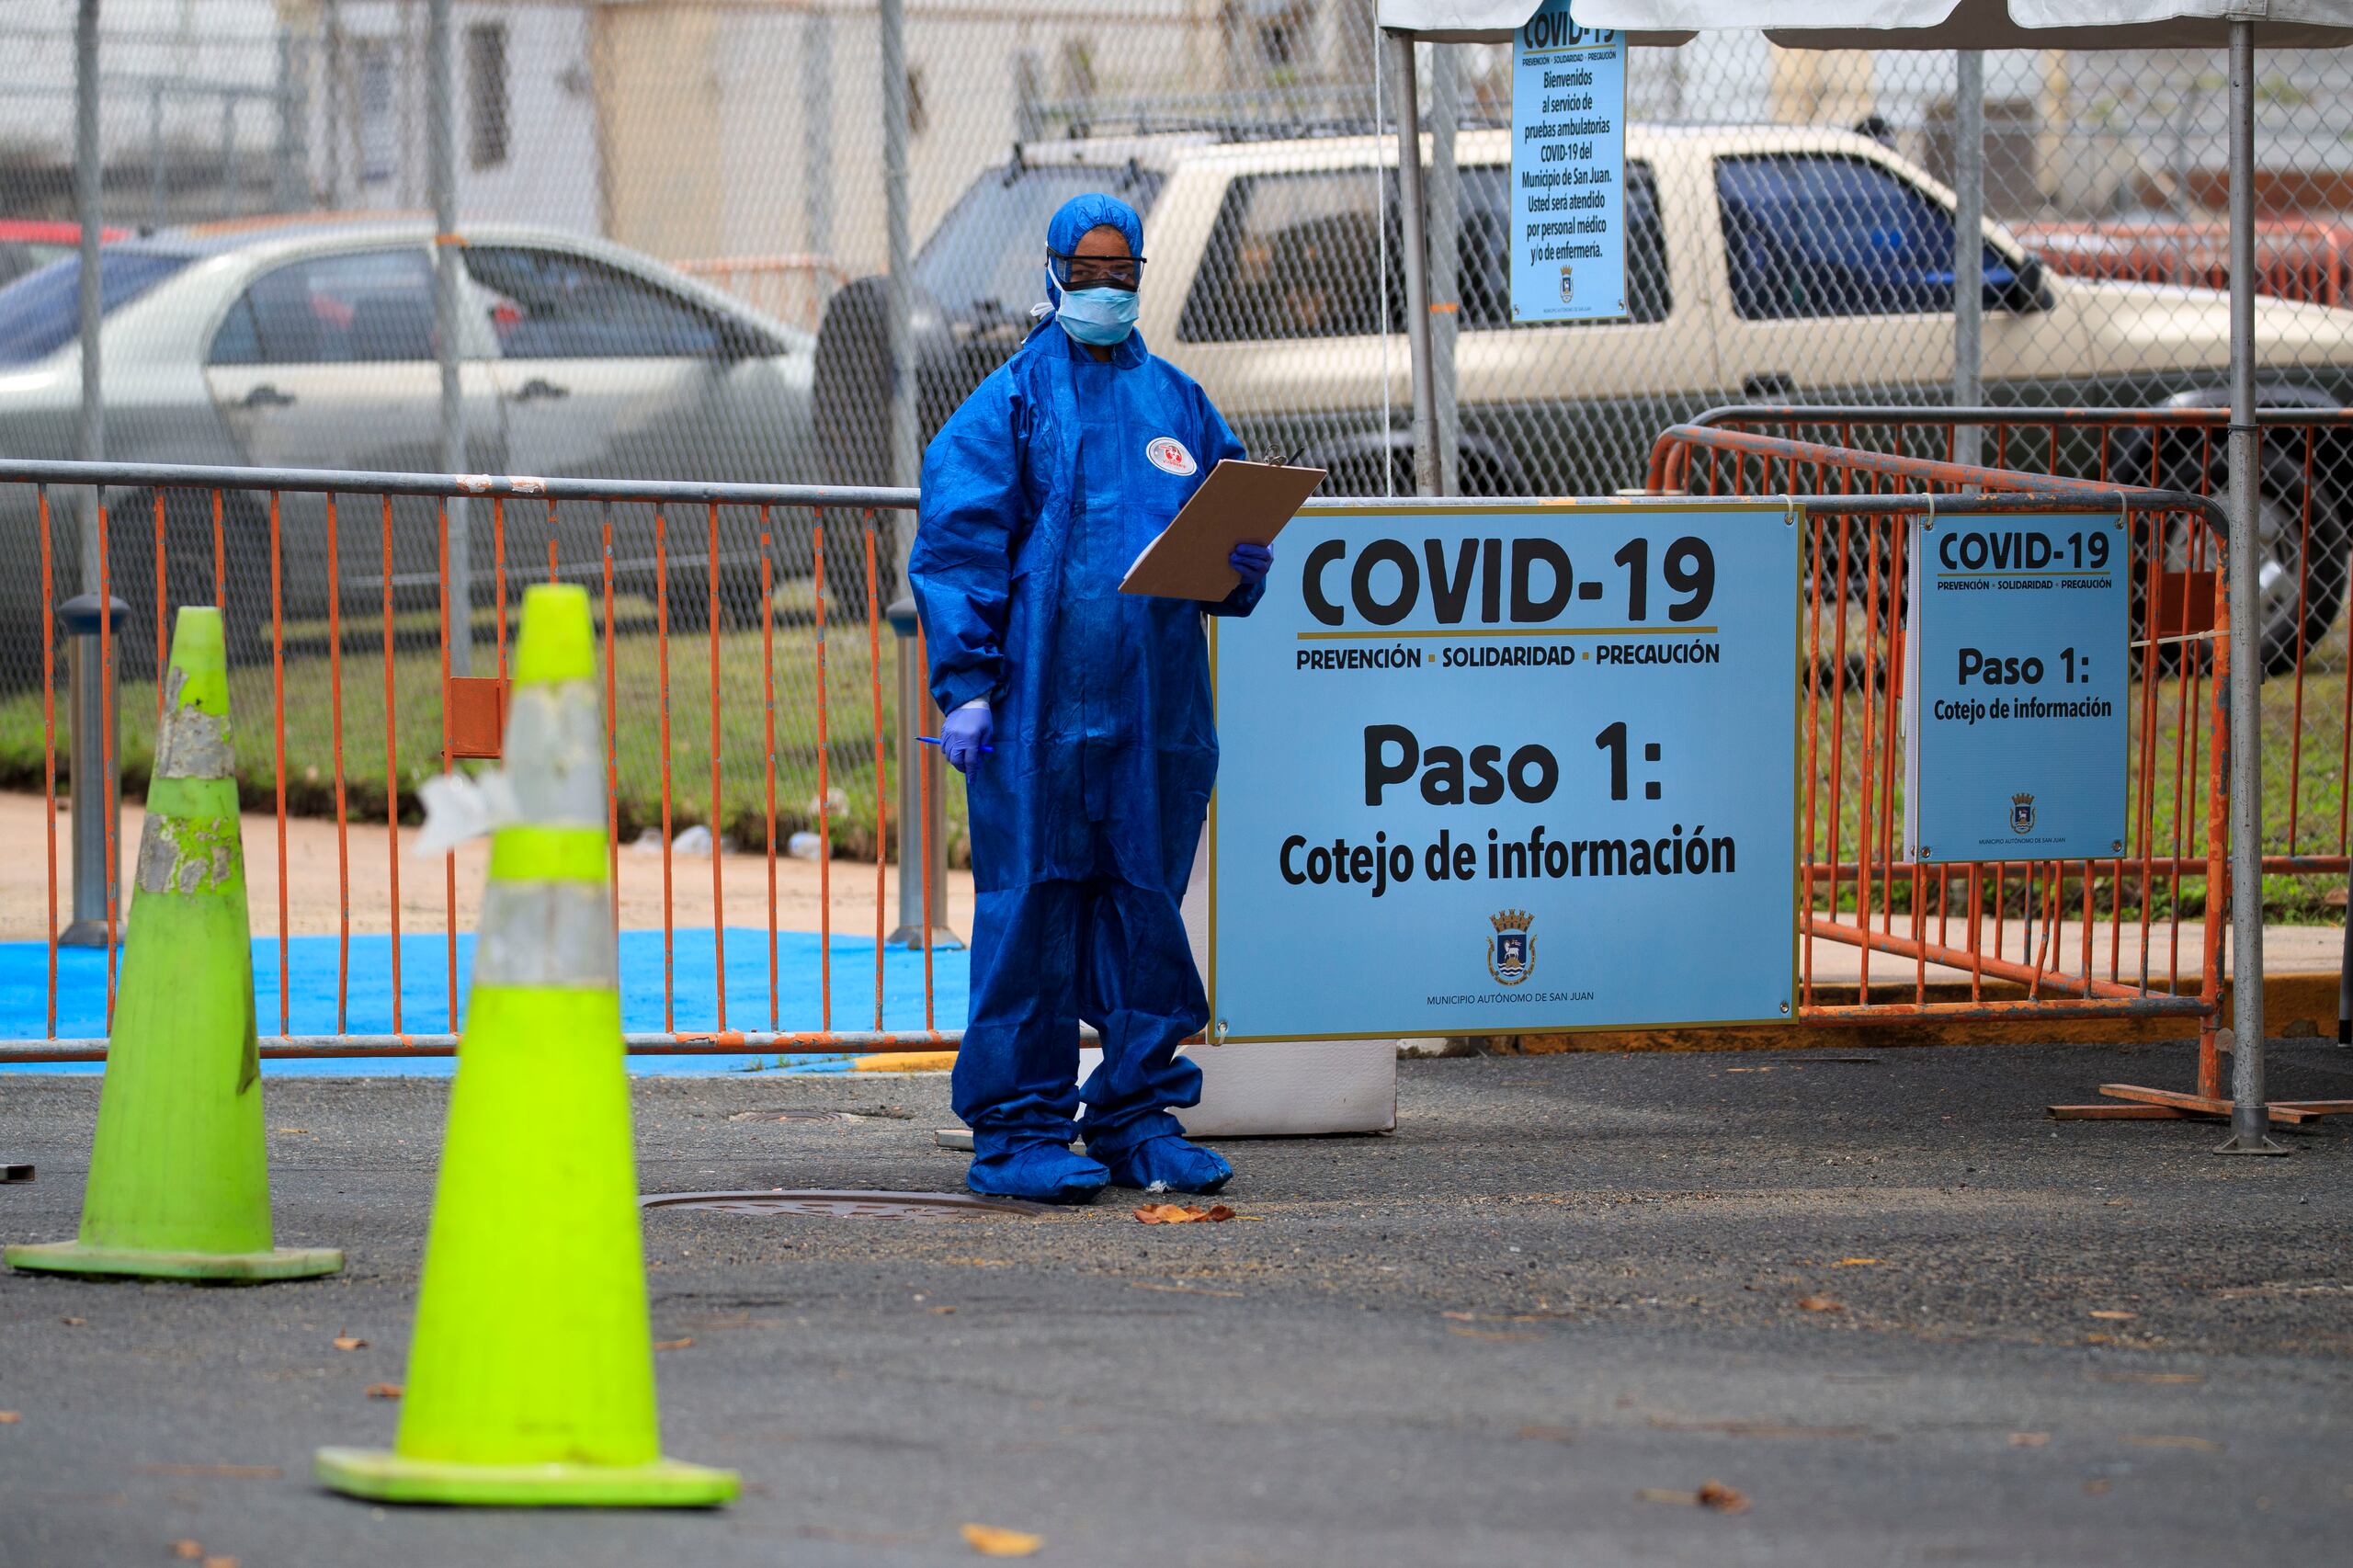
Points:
[(2029, 1440), (674, 1344), (220, 1563), (942, 1311), (1723, 1499), (350, 1342), (2099, 1340), (1179, 1214), (73, 1323), (9, 1418), (1548, 1433), (383, 1390), (1711, 1495), (1818, 1304), (991, 1541), (1854, 1263), (1489, 1333), (187, 1550), (2094, 1488), (2195, 1444), (2111, 1314)]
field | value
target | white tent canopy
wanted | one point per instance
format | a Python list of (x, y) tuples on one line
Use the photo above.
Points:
[(1969, 26), (1926, 24), (1980, 24)]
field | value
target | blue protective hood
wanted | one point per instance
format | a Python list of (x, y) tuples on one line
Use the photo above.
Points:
[(1074, 217)]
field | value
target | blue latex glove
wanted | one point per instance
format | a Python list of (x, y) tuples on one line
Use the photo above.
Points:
[(1254, 561), (964, 735)]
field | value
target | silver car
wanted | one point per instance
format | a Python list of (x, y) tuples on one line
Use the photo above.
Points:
[(309, 343)]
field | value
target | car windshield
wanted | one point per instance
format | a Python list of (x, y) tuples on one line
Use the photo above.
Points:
[(990, 251), (41, 312)]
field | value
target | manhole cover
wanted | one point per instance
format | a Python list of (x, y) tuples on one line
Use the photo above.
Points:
[(853, 1205)]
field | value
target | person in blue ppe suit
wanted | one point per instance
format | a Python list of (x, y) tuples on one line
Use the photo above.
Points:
[(1080, 718)]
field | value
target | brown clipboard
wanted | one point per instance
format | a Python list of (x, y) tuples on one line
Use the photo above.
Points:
[(1239, 503)]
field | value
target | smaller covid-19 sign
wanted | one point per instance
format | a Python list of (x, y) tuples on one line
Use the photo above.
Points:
[(2016, 662), (1568, 169)]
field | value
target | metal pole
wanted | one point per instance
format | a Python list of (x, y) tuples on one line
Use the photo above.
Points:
[(97, 793), (817, 134), (905, 459), (1968, 244), (2250, 1117), (155, 154), (923, 834), (88, 172), (442, 137), (1445, 285), (1413, 200)]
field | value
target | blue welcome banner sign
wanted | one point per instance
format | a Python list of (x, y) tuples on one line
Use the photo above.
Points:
[(1568, 169)]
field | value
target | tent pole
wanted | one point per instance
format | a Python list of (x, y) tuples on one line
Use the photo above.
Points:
[(1968, 244), (448, 336), (1444, 284), (1413, 201), (2250, 1117), (88, 178)]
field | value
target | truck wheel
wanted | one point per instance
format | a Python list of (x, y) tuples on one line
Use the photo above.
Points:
[(2300, 563)]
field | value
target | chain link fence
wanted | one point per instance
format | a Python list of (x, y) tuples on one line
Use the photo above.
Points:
[(675, 219)]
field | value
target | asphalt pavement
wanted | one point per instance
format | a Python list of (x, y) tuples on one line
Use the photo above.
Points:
[(1893, 1314)]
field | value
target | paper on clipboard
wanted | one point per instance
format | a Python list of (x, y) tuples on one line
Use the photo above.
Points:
[(1239, 503)]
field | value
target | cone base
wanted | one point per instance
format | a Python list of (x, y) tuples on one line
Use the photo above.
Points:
[(213, 1267), (382, 1476)]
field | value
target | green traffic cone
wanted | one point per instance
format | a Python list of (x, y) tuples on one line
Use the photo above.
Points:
[(180, 1172), (530, 1369)]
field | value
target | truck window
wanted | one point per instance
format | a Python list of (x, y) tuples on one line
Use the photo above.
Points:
[(1296, 256), (1485, 250), (1815, 235), (1292, 256), (989, 254)]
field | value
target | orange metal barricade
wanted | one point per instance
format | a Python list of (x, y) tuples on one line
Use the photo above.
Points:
[(2138, 934), (303, 561)]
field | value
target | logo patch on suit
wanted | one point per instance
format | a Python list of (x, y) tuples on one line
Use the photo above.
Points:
[(1168, 455)]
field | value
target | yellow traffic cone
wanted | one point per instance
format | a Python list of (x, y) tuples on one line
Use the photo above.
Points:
[(179, 1171), (531, 1371)]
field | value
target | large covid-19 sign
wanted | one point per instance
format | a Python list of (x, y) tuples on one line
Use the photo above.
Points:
[(1510, 768), (1568, 169)]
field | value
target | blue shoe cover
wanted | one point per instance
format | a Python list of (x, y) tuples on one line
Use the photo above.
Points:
[(1042, 1173), (1170, 1161)]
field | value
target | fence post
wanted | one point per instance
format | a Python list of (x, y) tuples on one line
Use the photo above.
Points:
[(97, 793), (921, 796)]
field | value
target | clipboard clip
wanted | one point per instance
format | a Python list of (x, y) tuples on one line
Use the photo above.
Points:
[(1277, 458)]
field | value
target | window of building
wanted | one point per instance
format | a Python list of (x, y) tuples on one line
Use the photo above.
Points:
[(486, 94)]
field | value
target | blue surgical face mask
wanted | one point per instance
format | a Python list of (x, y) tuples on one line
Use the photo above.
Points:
[(1100, 316)]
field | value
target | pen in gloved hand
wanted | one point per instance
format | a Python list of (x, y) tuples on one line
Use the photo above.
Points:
[(935, 740)]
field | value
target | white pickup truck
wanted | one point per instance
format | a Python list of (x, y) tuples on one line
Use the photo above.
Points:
[(1764, 264)]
